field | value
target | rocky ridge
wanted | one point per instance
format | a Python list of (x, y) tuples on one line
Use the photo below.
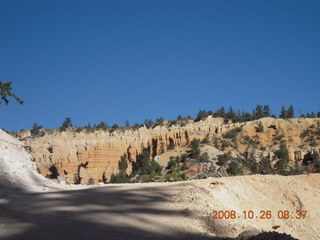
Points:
[(72, 155)]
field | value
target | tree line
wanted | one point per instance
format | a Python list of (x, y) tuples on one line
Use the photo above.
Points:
[(259, 112), (229, 116)]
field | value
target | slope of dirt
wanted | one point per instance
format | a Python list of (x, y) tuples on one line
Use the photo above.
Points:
[(256, 193), (17, 171), (181, 210)]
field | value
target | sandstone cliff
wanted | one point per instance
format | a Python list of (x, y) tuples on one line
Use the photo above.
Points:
[(94, 156)]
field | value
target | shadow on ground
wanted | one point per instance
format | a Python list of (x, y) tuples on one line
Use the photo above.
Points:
[(111, 212)]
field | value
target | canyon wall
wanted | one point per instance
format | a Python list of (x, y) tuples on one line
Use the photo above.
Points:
[(93, 157)]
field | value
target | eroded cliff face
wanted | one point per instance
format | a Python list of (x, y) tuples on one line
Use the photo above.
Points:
[(93, 157)]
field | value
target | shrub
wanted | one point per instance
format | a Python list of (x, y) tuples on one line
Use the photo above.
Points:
[(232, 133), (120, 177), (90, 181), (36, 129), (176, 175), (173, 162), (162, 149), (234, 169), (222, 159), (259, 128), (204, 157), (170, 146), (206, 139), (265, 166), (305, 133), (224, 145)]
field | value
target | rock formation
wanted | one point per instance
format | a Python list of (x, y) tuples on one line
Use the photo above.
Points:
[(73, 156)]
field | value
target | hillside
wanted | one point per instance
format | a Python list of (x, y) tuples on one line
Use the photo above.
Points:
[(82, 156)]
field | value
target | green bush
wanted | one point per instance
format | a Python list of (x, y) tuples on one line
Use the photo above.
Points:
[(232, 133), (120, 177), (222, 159), (176, 175), (234, 169), (195, 148), (259, 128), (145, 166), (265, 166)]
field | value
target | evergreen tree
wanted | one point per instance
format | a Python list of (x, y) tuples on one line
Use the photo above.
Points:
[(102, 125), (311, 115), (36, 129), (266, 111), (222, 159), (136, 126), (259, 111), (148, 123), (127, 124), (160, 120), (195, 148), (234, 169), (66, 124), (123, 164), (290, 112), (145, 166), (5, 91), (115, 126), (201, 115), (122, 176), (220, 113), (283, 113), (264, 166), (231, 115), (283, 155)]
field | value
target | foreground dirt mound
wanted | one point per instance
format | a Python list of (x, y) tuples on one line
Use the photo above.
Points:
[(17, 171), (285, 198)]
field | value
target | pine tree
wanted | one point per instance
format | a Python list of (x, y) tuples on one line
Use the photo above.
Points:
[(195, 148), (259, 112), (290, 112), (266, 111), (5, 91), (179, 117), (283, 113), (127, 124), (123, 164), (66, 124), (36, 129)]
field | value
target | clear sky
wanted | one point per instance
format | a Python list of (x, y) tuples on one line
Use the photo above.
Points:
[(116, 60)]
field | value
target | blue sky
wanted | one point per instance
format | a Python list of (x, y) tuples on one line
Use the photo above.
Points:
[(117, 60)]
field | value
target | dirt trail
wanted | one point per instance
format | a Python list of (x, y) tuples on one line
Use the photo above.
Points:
[(164, 210)]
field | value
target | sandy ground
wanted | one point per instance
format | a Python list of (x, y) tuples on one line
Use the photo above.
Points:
[(34, 208), (164, 210)]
